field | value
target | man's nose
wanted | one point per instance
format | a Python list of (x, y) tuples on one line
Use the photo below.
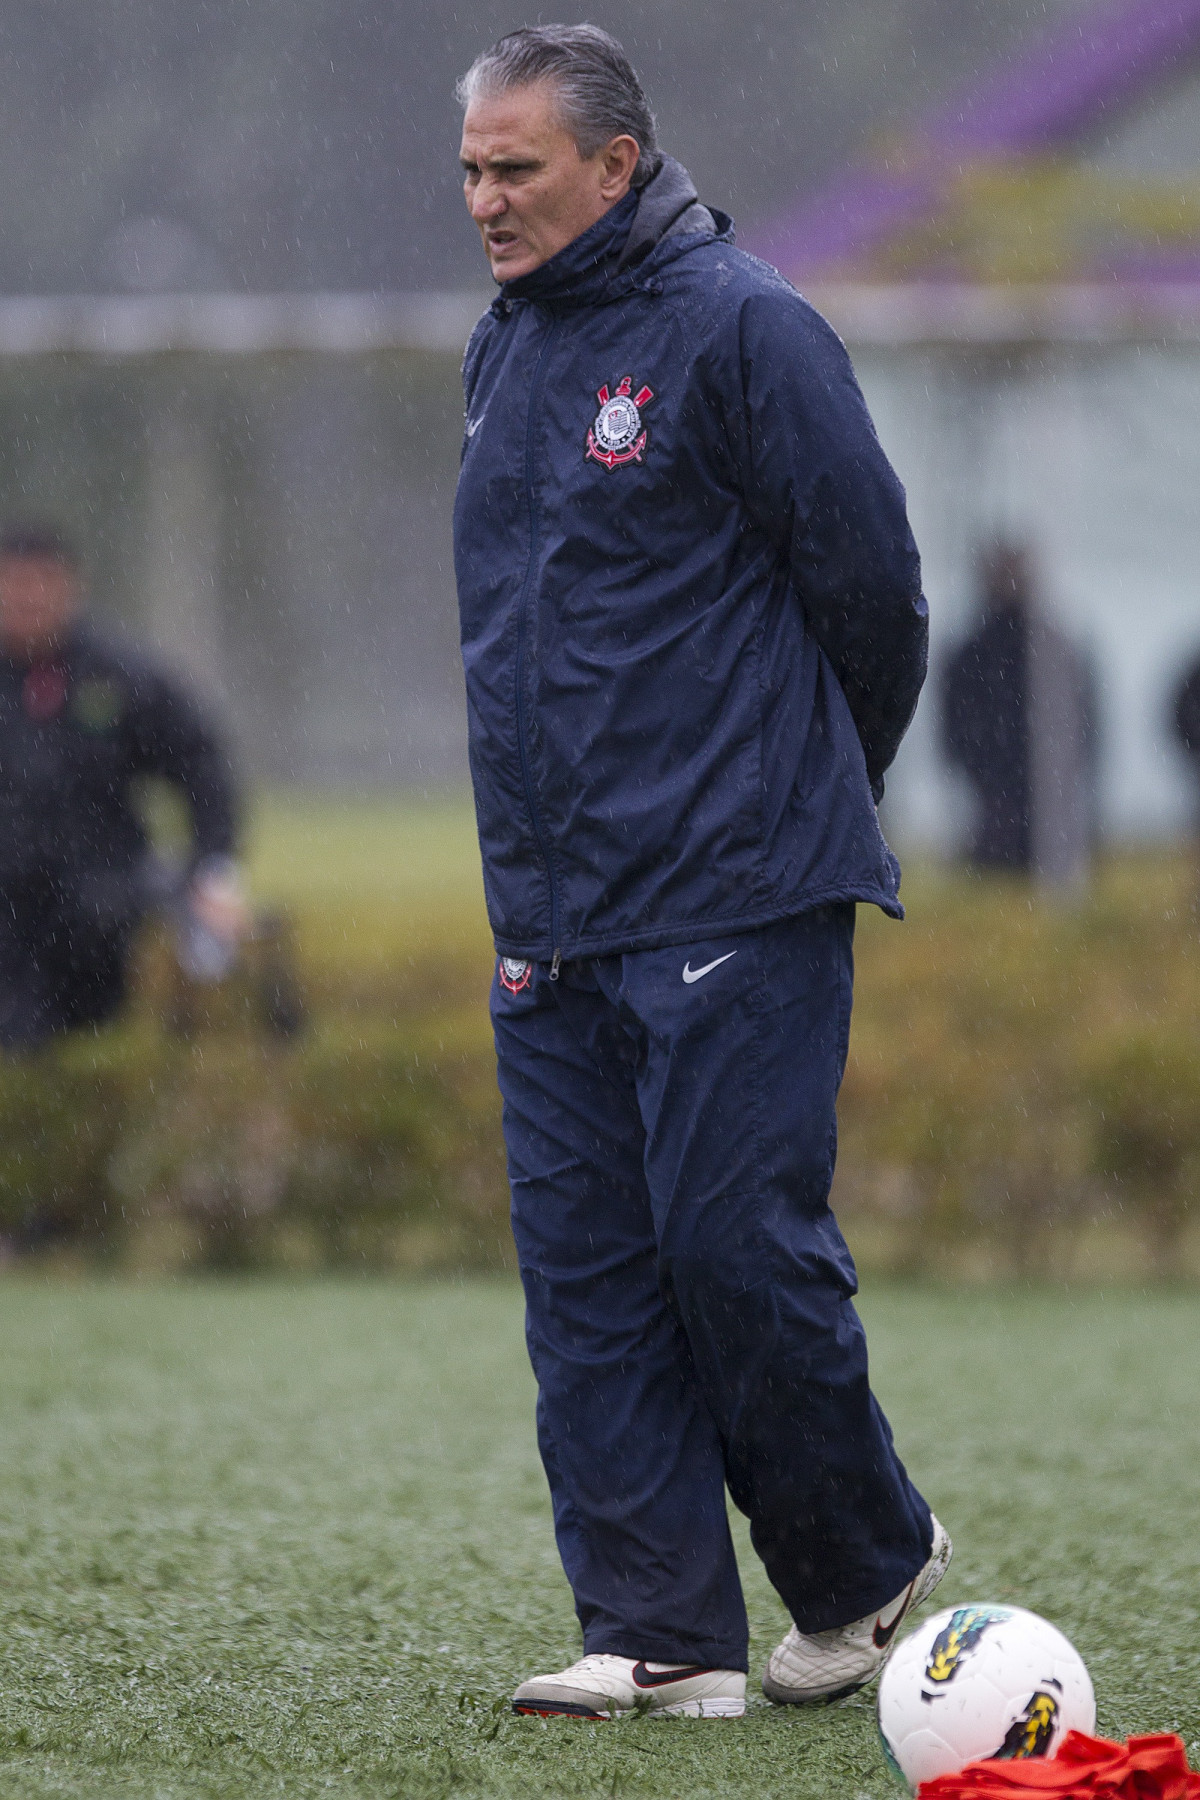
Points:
[(486, 201)]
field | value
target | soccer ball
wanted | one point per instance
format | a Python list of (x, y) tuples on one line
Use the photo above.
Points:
[(980, 1682)]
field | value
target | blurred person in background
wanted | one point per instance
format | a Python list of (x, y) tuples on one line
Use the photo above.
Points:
[(694, 635), (1186, 720), (1187, 713), (81, 716), (1018, 719)]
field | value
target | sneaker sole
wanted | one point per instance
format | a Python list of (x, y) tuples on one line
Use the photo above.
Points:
[(781, 1696), (556, 1709), (701, 1709), (685, 1709)]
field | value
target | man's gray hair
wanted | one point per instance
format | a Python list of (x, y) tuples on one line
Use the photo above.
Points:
[(598, 91)]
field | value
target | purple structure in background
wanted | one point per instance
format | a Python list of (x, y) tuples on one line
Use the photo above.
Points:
[(1046, 97)]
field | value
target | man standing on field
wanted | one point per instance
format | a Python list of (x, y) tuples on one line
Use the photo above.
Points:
[(694, 636)]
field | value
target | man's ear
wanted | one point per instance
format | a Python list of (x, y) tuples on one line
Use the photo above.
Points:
[(620, 160)]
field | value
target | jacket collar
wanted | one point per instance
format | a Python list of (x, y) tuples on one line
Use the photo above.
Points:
[(625, 248), (661, 209), (579, 274)]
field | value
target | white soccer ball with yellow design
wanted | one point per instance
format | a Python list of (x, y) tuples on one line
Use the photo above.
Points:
[(976, 1683)]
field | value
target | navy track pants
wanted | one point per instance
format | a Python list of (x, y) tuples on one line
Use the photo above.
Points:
[(670, 1126)]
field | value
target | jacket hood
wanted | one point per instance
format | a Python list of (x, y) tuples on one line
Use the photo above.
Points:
[(668, 205), (642, 231)]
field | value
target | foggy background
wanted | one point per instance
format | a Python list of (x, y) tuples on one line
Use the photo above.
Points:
[(274, 515), (312, 144)]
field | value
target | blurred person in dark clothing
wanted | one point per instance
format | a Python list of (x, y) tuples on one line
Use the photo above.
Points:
[(984, 706), (1018, 718), (81, 717), (1187, 731), (1187, 718)]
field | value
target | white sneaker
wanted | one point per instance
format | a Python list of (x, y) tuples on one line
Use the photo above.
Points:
[(826, 1665), (612, 1687)]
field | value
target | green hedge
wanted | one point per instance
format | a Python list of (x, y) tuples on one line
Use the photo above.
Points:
[(364, 1150), (1023, 1096), (1023, 1093)]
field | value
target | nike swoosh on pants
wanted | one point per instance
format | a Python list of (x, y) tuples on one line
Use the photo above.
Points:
[(690, 974)]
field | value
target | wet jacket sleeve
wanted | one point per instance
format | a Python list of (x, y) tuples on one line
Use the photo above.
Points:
[(816, 481), (174, 740)]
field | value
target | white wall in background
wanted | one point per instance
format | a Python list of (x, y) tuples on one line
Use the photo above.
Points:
[(1092, 457)]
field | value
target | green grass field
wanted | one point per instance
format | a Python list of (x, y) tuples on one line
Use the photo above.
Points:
[(265, 1540), (268, 1539), (410, 852)]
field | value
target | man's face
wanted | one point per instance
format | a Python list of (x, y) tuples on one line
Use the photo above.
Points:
[(39, 597), (528, 189)]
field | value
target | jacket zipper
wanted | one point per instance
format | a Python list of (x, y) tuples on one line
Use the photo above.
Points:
[(535, 390)]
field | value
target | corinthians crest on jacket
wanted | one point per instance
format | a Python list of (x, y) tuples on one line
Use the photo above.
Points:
[(617, 434)]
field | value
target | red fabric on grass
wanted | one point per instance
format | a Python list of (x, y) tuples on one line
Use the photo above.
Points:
[(1086, 1768)]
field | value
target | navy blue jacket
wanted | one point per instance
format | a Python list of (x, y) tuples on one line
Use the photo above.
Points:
[(692, 623)]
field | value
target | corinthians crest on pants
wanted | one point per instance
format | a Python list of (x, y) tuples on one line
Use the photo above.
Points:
[(515, 973), (617, 434)]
